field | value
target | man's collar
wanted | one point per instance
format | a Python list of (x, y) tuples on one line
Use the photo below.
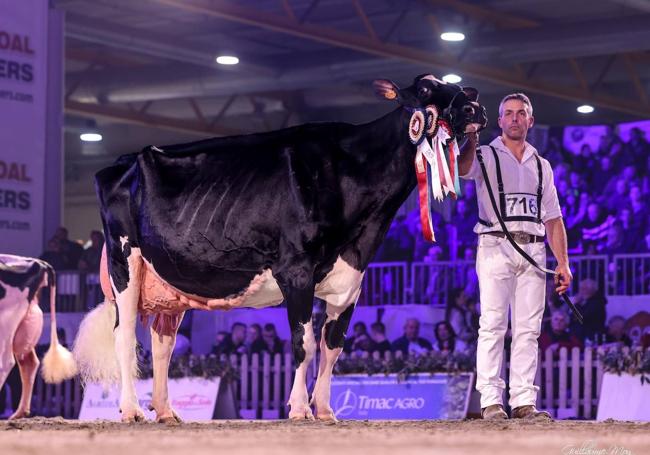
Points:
[(529, 150)]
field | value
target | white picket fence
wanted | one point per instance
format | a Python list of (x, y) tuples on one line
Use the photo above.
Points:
[(570, 383)]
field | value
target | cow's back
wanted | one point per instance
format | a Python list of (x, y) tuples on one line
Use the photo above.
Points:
[(210, 216)]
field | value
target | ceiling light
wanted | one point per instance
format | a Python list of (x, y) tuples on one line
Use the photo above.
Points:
[(452, 78), (227, 60), (452, 36), (585, 109), (91, 137)]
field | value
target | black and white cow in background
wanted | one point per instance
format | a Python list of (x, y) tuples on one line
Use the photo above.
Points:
[(250, 221), (21, 325)]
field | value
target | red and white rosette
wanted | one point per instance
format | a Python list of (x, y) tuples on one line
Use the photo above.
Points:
[(432, 116), (417, 126)]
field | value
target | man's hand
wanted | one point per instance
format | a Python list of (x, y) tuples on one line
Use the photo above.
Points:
[(563, 278)]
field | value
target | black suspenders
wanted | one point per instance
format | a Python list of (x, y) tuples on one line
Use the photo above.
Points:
[(502, 194)]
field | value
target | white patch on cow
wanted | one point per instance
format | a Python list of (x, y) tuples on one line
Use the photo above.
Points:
[(125, 341), (431, 77), (299, 398), (268, 294), (123, 241), (341, 287)]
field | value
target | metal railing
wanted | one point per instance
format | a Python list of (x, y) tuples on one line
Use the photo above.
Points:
[(429, 283)]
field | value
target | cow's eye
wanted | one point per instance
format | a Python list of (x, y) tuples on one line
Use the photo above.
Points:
[(423, 91)]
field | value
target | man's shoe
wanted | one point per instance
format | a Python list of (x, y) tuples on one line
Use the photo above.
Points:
[(530, 412), (494, 412)]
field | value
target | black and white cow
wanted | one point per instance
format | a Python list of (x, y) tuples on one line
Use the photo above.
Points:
[(250, 221), (21, 325)]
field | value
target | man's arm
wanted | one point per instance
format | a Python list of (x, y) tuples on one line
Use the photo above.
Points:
[(467, 152), (558, 243)]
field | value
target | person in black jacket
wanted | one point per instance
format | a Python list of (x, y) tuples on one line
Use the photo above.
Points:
[(411, 342)]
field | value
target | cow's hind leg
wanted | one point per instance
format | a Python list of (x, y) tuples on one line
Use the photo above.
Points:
[(28, 365), (300, 303), (331, 345), (163, 340), (25, 340), (127, 296)]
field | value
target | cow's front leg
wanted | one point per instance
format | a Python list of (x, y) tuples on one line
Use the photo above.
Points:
[(125, 341), (299, 306), (162, 346), (331, 345)]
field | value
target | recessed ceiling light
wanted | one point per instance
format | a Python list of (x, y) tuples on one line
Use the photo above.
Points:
[(585, 109), (452, 36), (91, 137), (227, 60), (452, 78)]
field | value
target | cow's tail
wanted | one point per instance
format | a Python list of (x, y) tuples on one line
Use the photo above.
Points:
[(58, 363), (94, 347)]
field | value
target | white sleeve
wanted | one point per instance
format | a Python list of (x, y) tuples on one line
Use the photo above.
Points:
[(474, 170), (550, 203)]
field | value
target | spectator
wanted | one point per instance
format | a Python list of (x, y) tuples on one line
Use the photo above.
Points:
[(616, 332), (359, 330), (558, 336), (446, 340), (53, 256), (464, 222), (234, 342), (71, 251), (591, 303), (638, 147), (594, 229), (634, 230), (92, 255), (361, 342), (461, 316), (254, 342), (398, 244), (411, 342), (273, 343), (619, 197), (378, 335), (638, 209)]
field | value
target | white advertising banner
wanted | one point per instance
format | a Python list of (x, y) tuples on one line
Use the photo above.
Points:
[(23, 101), (194, 399)]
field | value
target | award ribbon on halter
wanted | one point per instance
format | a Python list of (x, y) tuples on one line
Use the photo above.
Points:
[(434, 168)]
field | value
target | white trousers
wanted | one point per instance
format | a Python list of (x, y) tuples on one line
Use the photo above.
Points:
[(507, 280)]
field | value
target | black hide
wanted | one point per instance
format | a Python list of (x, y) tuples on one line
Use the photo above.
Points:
[(211, 215), (22, 273)]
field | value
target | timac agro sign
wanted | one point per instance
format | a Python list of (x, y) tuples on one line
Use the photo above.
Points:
[(193, 398), (421, 396)]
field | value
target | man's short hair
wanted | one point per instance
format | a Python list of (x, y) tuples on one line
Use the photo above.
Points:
[(378, 327), (517, 96)]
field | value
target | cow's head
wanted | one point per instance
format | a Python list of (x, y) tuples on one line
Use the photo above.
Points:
[(435, 98)]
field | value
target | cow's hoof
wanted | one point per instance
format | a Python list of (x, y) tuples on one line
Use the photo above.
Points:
[(169, 418), (327, 416), (20, 414), (134, 416), (301, 413)]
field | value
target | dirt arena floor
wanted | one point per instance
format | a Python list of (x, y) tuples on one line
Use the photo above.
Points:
[(61, 437)]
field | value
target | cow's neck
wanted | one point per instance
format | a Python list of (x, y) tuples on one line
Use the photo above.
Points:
[(385, 178)]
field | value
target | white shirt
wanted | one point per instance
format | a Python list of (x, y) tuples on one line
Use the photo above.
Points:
[(520, 181)]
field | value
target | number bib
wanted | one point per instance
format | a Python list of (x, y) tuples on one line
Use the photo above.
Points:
[(521, 204)]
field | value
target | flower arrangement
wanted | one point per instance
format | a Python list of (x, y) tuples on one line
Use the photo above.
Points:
[(403, 366), (190, 365), (619, 360)]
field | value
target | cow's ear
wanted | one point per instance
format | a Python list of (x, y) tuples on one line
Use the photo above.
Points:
[(385, 89), (471, 92)]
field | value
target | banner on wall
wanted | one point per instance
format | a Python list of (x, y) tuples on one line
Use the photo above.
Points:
[(23, 101), (194, 399), (420, 396)]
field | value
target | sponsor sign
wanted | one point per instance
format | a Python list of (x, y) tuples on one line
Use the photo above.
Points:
[(194, 399), (421, 396), (23, 89)]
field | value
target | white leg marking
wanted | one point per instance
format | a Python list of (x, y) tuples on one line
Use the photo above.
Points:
[(162, 347), (299, 398), (125, 342)]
